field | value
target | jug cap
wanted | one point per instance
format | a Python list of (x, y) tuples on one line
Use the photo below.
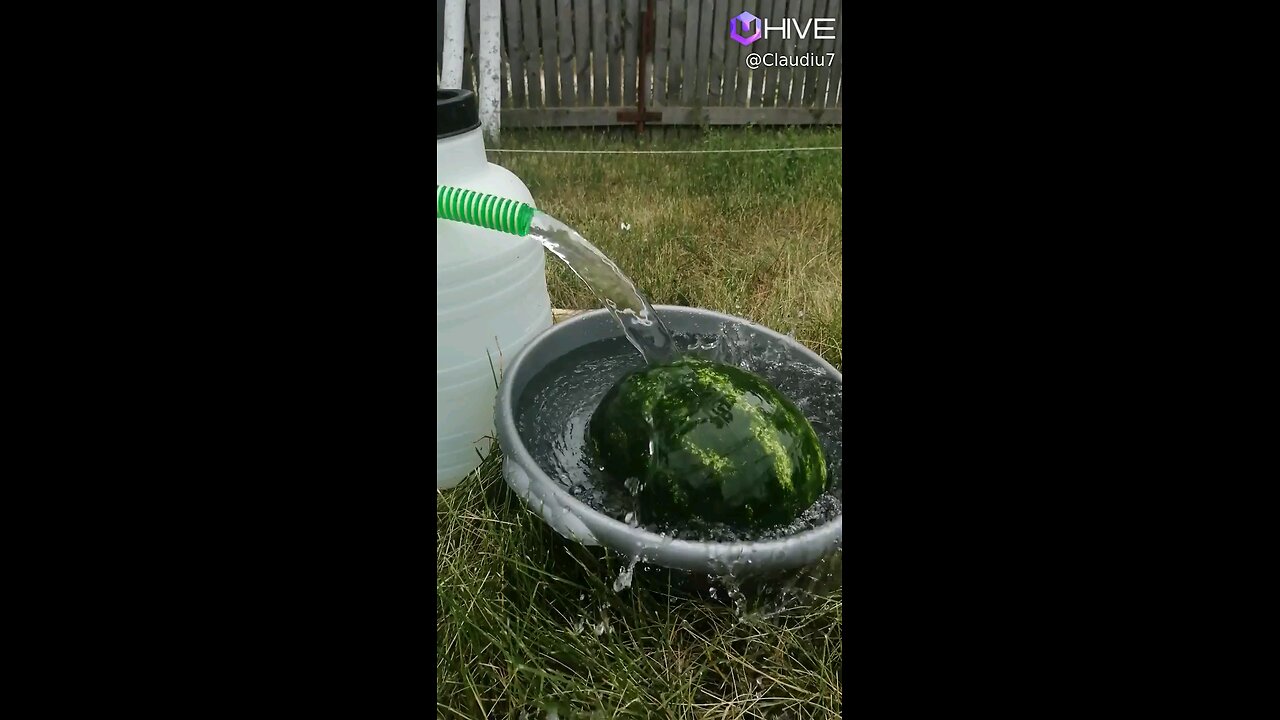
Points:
[(457, 112)]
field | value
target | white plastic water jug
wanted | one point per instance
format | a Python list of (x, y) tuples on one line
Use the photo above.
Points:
[(491, 293)]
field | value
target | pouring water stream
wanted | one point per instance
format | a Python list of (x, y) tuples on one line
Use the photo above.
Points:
[(642, 326)]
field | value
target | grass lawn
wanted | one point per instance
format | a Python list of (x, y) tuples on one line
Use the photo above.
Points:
[(527, 622)]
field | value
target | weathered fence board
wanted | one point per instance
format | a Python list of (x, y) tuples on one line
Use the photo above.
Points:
[(719, 33), (599, 53), (675, 81), (758, 73), (823, 76), (735, 67), (582, 50), (614, 50), (704, 50), (647, 24), (579, 62), (786, 47), (772, 44), (800, 80), (689, 61), (733, 61), (550, 54), (515, 53), (564, 36), (661, 44), (532, 53), (473, 32), (469, 46), (630, 44)]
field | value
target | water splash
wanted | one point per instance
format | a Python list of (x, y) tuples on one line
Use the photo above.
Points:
[(734, 589), (603, 626), (623, 580), (640, 323)]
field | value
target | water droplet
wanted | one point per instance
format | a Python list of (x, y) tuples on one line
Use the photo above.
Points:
[(623, 580)]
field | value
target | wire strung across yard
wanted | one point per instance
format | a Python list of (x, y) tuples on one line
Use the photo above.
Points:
[(665, 152)]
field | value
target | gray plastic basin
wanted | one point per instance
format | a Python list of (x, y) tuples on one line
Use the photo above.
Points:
[(579, 522)]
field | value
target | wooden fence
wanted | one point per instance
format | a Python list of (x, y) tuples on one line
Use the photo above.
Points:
[(657, 62)]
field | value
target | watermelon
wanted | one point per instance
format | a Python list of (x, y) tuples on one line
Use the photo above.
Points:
[(698, 441)]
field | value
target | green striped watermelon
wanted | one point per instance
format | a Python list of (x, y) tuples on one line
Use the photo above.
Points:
[(709, 442)]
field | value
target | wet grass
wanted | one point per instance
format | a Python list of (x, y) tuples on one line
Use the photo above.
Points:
[(529, 624)]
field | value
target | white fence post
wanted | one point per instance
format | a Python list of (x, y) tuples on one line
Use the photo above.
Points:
[(489, 72), (451, 62)]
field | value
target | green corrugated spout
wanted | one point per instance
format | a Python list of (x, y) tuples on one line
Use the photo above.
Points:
[(483, 210)]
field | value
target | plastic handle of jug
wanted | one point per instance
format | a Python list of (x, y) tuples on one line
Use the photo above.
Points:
[(483, 210)]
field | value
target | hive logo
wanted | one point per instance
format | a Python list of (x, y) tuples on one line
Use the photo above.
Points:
[(744, 21), (740, 28)]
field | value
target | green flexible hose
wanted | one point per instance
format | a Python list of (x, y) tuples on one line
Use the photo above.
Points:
[(483, 210)]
